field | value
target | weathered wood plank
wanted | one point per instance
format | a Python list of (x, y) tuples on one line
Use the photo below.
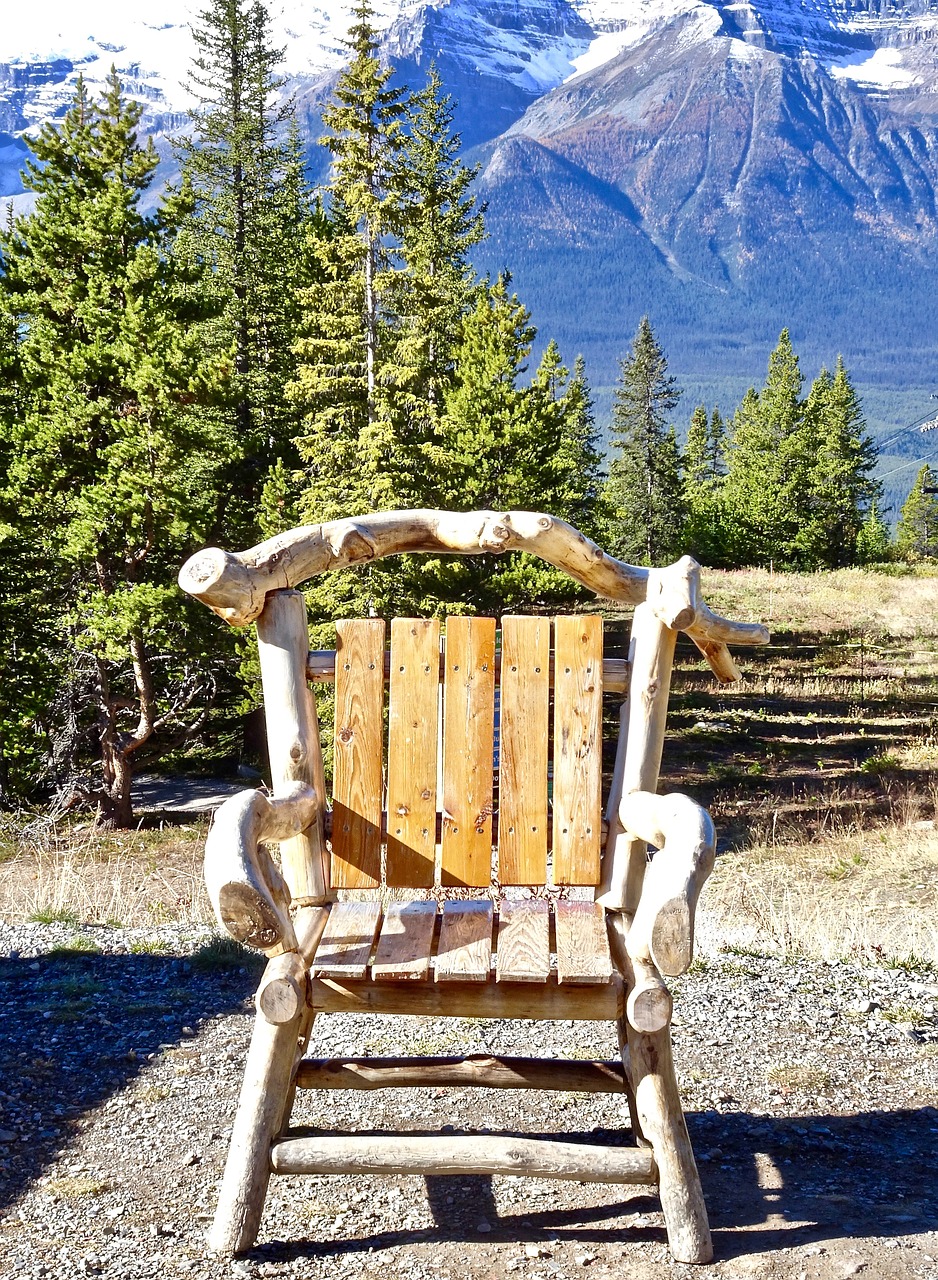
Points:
[(578, 648), (523, 953), (582, 943), (359, 734), (320, 669), (522, 769), (412, 751), (405, 941), (475, 1071), (464, 951), (345, 946), (468, 729), (470, 999)]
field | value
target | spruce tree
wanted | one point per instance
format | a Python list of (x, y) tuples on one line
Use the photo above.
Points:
[(768, 461), (249, 222), (703, 473), (874, 545), (435, 285), (110, 466), (644, 489), (917, 533), (839, 479)]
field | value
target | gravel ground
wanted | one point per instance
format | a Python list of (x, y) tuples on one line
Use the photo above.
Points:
[(811, 1092)]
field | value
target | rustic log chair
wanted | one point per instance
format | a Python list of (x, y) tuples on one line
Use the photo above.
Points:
[(557, 955)]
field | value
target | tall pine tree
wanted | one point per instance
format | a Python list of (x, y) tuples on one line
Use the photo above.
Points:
[(110, 467), (644, 490), (917, 534), (245, 167)]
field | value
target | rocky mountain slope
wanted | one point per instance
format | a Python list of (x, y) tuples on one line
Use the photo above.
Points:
[(728, 167)]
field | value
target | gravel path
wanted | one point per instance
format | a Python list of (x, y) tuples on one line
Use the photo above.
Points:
[(811, 1091)]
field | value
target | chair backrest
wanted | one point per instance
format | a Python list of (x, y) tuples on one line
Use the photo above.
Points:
[(449, 809)]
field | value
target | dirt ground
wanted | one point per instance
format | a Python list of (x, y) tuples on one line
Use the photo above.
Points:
[(811, 1092)]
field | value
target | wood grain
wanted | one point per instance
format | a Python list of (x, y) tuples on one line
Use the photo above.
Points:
[(523, 953), (464, 951), (345, 946), (582, 943), (577, 800), (463, 1154), (358, 754), (405, 941), (541, 1000), (477, 1071), (468, 729), (522, 771), (412, 751)]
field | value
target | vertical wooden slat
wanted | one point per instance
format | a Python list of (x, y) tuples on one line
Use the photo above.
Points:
[(412, 751), (578, 656), (359, 735), (468, 720), (522, 773)]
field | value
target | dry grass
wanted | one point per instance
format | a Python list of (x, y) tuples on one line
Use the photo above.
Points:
[(859, 893), (79, 875), (844, 600)]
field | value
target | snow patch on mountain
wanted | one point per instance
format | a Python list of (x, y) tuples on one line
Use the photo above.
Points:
[(881, 69)]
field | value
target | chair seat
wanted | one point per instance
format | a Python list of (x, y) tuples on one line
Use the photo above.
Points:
[(529, 959), (465, 941)]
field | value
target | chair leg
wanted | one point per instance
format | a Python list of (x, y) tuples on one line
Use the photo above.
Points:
[(635, 1123), (661, 1118), (263, 1108)]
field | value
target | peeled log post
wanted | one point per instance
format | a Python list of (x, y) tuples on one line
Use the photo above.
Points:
[(293, 738), (658, 1104), (663, 925), (246, 889), (649, 1005), (463, 1155), (652, 658), (281, 997)]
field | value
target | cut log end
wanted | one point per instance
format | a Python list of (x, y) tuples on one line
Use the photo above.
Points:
[(248, 917), (672, 937)]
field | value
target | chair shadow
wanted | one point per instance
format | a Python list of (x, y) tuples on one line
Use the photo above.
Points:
[(770, 1182), (79, 1026)]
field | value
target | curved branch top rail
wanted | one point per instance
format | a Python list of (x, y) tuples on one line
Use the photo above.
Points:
[(235, 586)]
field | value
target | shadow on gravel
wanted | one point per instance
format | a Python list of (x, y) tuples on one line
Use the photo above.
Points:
[(78, 1026), (770, 1183)]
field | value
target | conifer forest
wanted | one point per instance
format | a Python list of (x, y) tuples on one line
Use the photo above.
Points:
[(251, 353)]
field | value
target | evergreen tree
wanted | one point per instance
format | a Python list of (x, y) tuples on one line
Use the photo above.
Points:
[(703, 474), (917, 534), (840, 484), (435, 287), (250, 222), (580, 457), (874, 545), (110, 471), (768, 461), (644, 488), (364, 125)]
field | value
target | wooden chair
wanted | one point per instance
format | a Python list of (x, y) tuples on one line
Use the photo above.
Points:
[(591, 941)]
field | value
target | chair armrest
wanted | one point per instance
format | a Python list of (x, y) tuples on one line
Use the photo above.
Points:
[(249, 895), (662, 928)]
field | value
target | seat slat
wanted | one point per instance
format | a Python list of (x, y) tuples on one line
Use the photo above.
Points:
[(523, 953), (464, 951), (578, 643), (405, 941), (582, 943), (468, 729), (359, 731), (412, 751), (522, 785), (345, 946)]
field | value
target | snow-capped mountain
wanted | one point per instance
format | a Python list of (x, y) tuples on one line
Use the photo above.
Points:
[(727, 166)]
